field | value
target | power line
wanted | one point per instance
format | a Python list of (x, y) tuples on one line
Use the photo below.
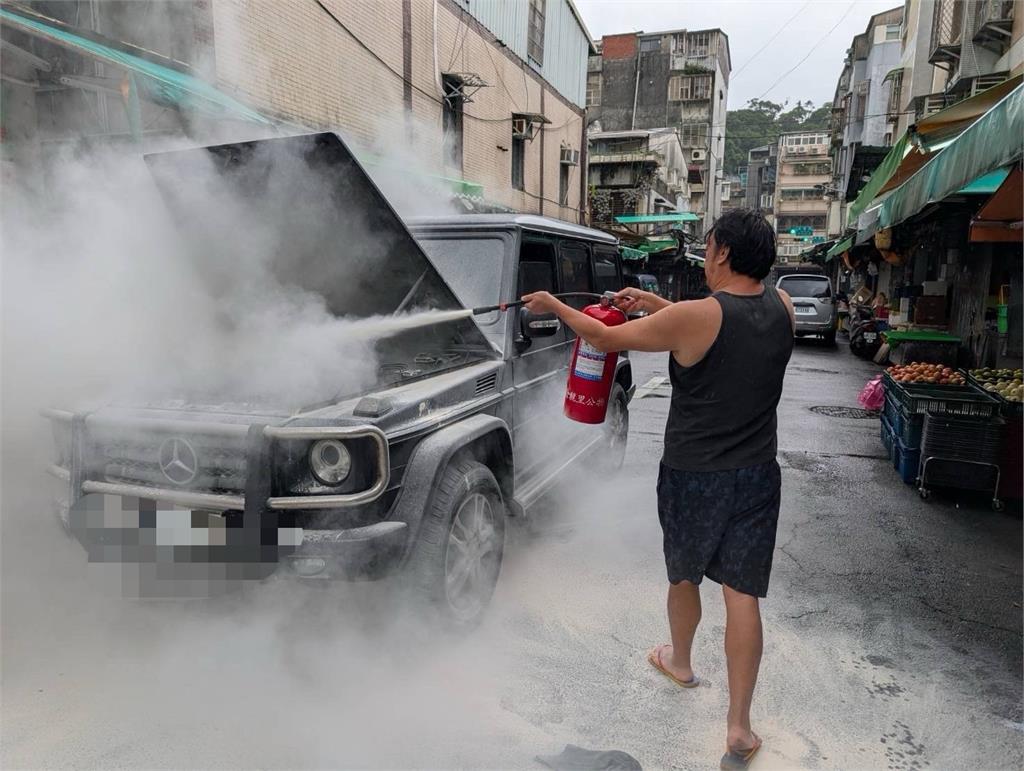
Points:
[(811, 51), (770, 40)]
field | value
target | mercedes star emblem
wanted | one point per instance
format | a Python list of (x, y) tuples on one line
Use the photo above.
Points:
[(178, 461)]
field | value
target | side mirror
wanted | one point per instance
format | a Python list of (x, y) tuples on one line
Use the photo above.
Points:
[(533, 325)]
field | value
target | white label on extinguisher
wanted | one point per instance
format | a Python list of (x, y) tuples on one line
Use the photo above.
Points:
[(589, 362)]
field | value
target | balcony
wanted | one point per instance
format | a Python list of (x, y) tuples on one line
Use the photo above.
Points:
[(932, 103), (693, 64), (629, 156), (993, 23), (800, 152), (947, 23)]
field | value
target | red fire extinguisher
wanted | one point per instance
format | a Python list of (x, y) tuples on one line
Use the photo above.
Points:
[(592, 372)]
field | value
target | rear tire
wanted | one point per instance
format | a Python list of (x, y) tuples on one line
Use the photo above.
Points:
[(455, 563)]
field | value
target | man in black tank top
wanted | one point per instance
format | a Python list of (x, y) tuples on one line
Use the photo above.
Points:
[(719, 484)]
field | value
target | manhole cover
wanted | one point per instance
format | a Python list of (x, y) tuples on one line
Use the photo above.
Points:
[(845, 412)]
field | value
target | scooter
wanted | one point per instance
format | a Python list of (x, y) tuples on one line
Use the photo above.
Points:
[(865, 339)]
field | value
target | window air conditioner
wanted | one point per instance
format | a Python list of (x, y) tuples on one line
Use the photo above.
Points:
[(570, 157), (699, 155)]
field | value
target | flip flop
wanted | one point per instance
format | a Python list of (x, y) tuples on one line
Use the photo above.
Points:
[(654, 657), (733, 760)]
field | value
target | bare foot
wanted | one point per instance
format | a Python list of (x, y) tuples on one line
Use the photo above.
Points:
[(678, 669)]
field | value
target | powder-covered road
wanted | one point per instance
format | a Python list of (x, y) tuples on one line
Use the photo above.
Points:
[(893, 635)]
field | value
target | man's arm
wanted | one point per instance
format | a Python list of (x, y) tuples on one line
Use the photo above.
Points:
[(661, 331)]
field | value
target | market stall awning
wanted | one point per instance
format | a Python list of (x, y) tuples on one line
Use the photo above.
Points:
[(1000, 219), (644, 219), (839, 248), (926, 137), (991, 142), (629, 253), (986, 184), (157, 83)]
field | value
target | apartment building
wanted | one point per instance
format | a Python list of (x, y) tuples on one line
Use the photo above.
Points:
[(636, 172), (762, 165), (950, 50), (480, 96), (863, 127), (804, 172), (676, 79)]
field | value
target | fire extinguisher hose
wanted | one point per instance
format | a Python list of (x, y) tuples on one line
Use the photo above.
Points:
[(561, 296)]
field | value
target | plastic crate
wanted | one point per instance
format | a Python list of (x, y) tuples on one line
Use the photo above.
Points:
[(908, 427), (1007, 408), (906, 461), (971, 439), (965, 400), (887, 437), (889, 409), (959, 475)]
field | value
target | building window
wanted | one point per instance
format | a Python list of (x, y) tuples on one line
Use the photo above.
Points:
[(594, 89), (892, 31), (800, 194), (518, 162), (698, 44), (650, 45), (563, 184), (535, 32), (683, 88), (895, 93), (451, 119), (693, 134)]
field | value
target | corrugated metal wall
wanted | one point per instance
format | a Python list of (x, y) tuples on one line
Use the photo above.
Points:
[(565, 46)]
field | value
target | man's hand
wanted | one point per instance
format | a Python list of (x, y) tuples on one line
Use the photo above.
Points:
[(633, 300), (541, 302)]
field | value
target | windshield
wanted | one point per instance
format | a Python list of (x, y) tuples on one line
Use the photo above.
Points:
[(806, 286), (472, 266)]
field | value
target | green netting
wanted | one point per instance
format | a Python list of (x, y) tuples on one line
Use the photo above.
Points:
[(158, 83)]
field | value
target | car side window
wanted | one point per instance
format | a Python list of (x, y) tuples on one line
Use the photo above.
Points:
[(574, 271), (536, 267), (606, 269)]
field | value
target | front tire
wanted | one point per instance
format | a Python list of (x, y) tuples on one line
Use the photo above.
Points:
[(612, 451), (455, 563)]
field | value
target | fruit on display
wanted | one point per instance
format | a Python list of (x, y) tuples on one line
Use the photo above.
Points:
[(987, 375), (920, 372)]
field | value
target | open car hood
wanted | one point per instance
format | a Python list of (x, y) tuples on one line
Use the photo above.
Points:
[(334, 232)]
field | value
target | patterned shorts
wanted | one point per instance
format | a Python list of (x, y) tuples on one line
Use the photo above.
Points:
[(720, 524)]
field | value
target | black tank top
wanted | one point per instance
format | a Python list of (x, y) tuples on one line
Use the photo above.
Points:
[(722, 414)]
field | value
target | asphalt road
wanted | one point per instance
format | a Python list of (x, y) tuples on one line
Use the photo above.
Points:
[(893, 634)]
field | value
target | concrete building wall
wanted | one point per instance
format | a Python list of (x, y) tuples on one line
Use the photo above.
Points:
[(292, 60)]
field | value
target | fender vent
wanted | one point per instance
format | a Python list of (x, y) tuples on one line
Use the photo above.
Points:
[(486, 383)]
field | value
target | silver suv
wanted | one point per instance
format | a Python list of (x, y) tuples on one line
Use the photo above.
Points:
[(813, 304)]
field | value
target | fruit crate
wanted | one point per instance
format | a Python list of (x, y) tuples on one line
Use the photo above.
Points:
[(887, 437), (1006, 407), (908, 427), (906, 460), (953, 400)]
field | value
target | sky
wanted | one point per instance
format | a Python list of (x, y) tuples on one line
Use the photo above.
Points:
[(802, 25)]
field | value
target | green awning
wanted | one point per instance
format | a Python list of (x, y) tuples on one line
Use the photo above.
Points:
[(991, 142), (638, 219), (892, 74), (629, 253), (839, 248), (986, 184), (882, 174), (157, 83), (454, 185)]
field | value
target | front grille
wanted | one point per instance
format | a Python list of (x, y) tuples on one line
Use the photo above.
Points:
[(171, 460)]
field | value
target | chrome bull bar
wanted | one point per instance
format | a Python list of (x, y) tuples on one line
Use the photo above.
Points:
[(226, 502)]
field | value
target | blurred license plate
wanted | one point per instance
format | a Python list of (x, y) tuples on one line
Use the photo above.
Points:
[(869, 337), (804, 310)]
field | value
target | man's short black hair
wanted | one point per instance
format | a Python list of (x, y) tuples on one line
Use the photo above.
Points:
[(751, 241)]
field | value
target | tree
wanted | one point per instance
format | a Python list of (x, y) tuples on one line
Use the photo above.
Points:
[(761, 122)]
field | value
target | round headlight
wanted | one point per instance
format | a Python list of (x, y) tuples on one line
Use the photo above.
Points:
[(330, 461)]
